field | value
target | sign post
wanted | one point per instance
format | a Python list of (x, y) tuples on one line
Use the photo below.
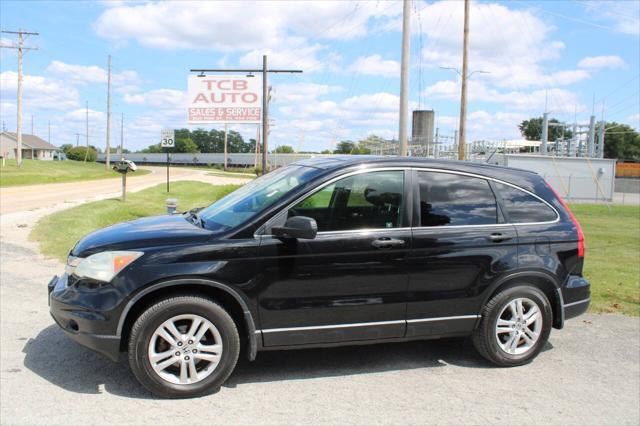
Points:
[(167, 141)]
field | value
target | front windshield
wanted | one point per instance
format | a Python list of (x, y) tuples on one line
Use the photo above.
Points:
[(247, 201)]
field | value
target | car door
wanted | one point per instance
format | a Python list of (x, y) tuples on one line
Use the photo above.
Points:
[(460, 243), (350, 282)]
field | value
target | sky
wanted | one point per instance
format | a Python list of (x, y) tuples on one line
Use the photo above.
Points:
[(573, 58)]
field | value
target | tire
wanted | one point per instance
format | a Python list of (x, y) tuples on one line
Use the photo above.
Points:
[(184, 312), (496, 342)]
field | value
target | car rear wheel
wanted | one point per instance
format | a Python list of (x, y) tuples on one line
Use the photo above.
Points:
[(515, 326), (183, 346)]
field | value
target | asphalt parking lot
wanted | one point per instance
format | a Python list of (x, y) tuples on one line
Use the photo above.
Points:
[(589, 373)]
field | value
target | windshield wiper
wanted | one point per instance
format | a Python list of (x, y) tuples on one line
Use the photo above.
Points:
[(194, 218)]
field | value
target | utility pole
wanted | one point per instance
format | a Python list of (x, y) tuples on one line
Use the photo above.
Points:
[(265, 99), (20, 47), (545, 133), (77, 139), (404, 77), (601, 135), (255, 162), (265, 114), (122, 135), (86, 132), (49, 126), (463, 94), (226, 129), (108, 150), (592, 136)]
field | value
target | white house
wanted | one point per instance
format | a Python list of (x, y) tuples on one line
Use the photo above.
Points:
[(33, 147)]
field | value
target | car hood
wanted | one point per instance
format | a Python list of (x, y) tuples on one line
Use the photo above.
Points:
[(141, 233)]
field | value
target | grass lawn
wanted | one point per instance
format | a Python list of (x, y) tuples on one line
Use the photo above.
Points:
[(613, 236), (34, 172), (58, 232), (222, 173), (612, 262)]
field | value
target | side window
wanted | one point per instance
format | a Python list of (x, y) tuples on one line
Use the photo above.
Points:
[(363, 201), (522, 207), (448, 199)]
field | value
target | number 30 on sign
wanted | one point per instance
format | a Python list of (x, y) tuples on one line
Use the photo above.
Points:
[(167, 138)]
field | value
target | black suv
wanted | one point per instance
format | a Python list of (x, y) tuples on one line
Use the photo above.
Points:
[(325, 252)]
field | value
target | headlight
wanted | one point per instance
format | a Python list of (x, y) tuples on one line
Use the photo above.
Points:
[(106, 265)]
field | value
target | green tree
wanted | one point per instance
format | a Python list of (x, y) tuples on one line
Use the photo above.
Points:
[(621, 141), (326, 151), (152, 149), (78, 154), (531, 130), (365, 145), (66, 147), (284, 149), (185, 145), (115, 150), (345, 147)]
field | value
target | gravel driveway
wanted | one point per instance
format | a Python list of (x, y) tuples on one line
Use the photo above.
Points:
[(589, 373)]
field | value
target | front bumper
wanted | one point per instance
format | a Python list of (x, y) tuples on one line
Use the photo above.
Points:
[(79, 323)]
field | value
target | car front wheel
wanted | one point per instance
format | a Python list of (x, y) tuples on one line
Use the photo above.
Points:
[(183, 346), (515, 326)]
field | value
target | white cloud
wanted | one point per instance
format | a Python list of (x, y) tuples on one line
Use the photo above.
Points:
[(624, 15), (512, 45), (227, 26), (83, 74), (80, 115), (490, 126), (600, 62), (302, 92), (302, 57), (566, 77), (282, 29), (159, 98), (39, 92), (559, 101), (375, 65)]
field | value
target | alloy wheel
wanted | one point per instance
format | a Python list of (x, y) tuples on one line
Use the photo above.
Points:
[(519, 326), (185, 349)]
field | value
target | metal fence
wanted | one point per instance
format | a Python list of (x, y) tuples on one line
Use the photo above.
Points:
[(209, 159)]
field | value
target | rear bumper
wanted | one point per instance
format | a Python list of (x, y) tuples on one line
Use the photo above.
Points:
[(79, 323), (575, 298), (574, 309)]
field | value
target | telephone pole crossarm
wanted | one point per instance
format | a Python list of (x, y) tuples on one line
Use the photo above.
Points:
[(203, 70)]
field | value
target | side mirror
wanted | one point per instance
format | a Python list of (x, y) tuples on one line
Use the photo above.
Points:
[(302, 227)]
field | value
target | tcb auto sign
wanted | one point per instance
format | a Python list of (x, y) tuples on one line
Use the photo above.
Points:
[(224, 99)]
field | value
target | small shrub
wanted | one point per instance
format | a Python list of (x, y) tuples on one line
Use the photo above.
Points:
[(78, 153)]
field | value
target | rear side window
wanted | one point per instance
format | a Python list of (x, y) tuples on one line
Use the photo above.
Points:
[(522, 207), (453, 200)]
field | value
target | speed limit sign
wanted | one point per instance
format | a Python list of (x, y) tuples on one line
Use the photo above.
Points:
[(167, 138)]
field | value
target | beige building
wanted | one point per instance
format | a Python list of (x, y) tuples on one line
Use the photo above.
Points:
[(33, 147)]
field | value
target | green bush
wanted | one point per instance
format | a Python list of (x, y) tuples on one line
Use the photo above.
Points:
[(79, 152)]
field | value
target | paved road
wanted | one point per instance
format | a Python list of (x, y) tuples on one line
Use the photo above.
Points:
[(589, 373), (23, 198)]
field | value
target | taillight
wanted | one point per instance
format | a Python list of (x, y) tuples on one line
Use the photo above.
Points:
[(581, 245)]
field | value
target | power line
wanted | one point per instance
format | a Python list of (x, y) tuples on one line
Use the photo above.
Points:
[(570, 18)]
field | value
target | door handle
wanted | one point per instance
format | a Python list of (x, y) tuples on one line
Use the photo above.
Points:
[(386, 243), (497, 237)]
